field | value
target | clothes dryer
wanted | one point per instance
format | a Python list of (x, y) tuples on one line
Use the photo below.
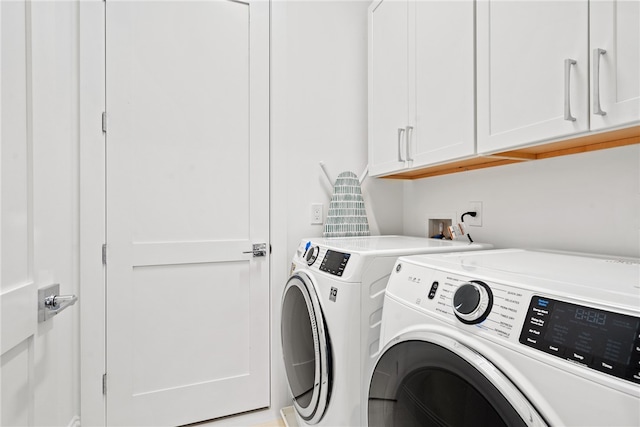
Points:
[(509, 338), (331, 313)]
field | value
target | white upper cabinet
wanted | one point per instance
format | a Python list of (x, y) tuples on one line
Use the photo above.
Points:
[(421, 83), (533, 71), (442, 105), (388, 85), (615, 63), (455, 82)]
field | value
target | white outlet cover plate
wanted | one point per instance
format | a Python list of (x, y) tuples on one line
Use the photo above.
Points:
[(317, 213), (477, 220)]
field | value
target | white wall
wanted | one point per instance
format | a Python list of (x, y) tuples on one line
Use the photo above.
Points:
[(319, 110), (318, 113), (586, 202)]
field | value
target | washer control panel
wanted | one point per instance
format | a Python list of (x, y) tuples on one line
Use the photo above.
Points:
[(603, 340), (593, 338), (476, 305)]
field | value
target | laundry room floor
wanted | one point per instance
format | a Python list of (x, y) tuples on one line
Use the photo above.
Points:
[(274, 423)]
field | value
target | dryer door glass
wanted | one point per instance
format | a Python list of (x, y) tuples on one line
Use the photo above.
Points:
[(305, 349), (418, 383)]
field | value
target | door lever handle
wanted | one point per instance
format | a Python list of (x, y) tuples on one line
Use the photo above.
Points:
[(59, 302), (259, 249), (51, 303)]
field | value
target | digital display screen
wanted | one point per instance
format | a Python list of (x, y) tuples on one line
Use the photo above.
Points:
[(599, 339), (594, 332), (334, 262)]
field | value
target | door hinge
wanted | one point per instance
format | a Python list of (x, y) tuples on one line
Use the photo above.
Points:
[(104, 122), (104, 254), (104, 384)]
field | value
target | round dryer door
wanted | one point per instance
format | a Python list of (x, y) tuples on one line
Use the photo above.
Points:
[(431, 380), (305, 348)]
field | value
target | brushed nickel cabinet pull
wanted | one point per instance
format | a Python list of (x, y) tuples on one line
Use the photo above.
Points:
[(400, 132), (596, 82), (567, 89), (408, 145)]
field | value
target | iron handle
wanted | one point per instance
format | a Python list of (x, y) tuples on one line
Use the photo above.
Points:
[(567, 89), (259, 249), (409, 130), (596, 81), (400, 132)]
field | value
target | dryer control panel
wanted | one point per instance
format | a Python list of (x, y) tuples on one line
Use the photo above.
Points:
[(326, 260), (334, 262), (603, 340)]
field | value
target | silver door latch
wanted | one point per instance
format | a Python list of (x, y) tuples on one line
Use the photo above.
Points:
[(259, 249), (50, 303)]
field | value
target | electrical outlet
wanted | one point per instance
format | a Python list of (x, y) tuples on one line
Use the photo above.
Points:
[(477, 220), (317, 213)]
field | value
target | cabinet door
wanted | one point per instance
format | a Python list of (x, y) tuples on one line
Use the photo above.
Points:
[(442, 104), (527, 90), (615, 62), (388, 104)]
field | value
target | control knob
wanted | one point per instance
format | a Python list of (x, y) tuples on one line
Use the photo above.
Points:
[(312, 254), (472, 302)]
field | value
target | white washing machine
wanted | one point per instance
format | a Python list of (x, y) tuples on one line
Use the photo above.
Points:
[(509, 338), (331, 313)]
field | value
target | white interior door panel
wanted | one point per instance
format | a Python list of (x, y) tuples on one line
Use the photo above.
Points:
[(187, 195), (17, 289)]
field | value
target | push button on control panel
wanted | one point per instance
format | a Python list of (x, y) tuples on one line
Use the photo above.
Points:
[(532, 333), (558, 350), (579, 356), (432, 291), (608, 366)]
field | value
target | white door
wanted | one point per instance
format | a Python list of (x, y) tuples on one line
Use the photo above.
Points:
[(388, 86), (442, 104), (533, 70), (18, 291), (187, 195), (615, 56), (39, 366)]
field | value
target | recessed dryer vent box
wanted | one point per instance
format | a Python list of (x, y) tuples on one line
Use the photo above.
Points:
[(433, 229)]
